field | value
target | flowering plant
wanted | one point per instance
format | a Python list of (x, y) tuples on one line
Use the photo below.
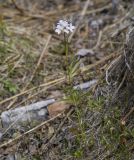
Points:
[(66, 28)]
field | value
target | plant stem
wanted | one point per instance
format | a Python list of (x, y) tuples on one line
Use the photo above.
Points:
[(66, 50)]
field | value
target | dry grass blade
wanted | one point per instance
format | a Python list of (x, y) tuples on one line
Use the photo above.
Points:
[(88, 67), (17, 7), (80, 19), (29, 90), (40, 60)]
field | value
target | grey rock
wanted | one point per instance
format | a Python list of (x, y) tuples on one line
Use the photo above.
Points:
[(86, 85), (33, 112)]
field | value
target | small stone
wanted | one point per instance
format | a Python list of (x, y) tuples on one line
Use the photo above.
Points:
[(57, 108), (84, 52), (86, 85)]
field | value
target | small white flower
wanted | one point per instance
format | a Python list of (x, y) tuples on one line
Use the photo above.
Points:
[(64, 26)]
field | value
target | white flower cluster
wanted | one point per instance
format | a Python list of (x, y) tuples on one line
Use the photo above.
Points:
[(64, 26)]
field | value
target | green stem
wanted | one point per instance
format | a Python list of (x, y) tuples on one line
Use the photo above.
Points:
[(66, 49)]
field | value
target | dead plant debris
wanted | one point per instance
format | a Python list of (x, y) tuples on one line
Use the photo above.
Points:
[(86, 124)]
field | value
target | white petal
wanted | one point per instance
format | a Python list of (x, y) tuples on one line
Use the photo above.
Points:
[(58, 31), (71, 30), (63, 23), (66, 31), (59, 27), (71, 27)]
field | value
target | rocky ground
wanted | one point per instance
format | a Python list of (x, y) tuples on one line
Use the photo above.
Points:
[(42, 115)]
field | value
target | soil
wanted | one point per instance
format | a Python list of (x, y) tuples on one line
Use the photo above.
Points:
[(32, 54)]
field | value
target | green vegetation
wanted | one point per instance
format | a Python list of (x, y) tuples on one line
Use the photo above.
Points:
[(95, 129)]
